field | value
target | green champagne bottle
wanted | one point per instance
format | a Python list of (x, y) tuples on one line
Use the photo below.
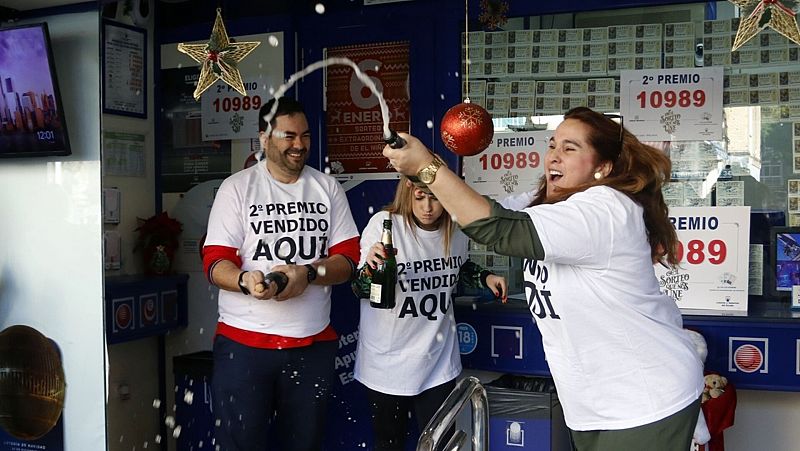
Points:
[(384, 278)]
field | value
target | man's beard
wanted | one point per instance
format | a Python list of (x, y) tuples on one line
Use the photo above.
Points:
[(290, 164)]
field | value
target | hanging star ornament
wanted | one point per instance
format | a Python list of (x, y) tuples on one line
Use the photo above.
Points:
[(760, 14), (219, 58)]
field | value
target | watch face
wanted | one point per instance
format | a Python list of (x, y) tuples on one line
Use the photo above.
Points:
[(425, 176), (428, 173)]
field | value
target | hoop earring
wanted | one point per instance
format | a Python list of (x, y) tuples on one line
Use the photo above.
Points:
[(598, 175)]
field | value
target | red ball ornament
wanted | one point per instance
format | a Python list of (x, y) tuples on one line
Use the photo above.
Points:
[(467, 129)]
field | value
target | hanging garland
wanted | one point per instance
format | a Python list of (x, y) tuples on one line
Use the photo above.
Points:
[(493, 14)]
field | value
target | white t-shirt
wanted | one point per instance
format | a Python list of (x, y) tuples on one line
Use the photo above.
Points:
[(615, 345), (273, 223), (412, 347)]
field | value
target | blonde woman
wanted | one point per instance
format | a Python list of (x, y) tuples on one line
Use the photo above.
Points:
[(408, 356)]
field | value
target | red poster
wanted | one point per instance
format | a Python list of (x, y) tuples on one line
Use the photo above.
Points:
[(353, 117)]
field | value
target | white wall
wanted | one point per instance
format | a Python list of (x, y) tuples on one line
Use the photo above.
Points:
[(765, 420), (133, 422), (51, 267)]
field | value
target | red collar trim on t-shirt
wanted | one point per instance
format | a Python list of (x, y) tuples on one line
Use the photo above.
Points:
[(270, 341)]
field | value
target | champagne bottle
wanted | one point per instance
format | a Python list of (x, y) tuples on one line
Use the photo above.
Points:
[(279, 278), (384, 278)]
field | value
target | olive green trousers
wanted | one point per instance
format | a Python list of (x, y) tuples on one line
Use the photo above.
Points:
[(673, 433)]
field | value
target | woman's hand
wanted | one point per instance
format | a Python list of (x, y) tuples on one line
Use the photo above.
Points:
[(498, 285), (411, 158), (377, 254)]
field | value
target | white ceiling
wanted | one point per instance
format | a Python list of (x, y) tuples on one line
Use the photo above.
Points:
[(24, 5)]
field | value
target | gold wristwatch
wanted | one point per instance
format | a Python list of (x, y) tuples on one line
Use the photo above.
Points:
[(427, 174)]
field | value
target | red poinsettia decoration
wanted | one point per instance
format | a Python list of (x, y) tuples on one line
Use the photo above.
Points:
[(158, 230), (493, 14)]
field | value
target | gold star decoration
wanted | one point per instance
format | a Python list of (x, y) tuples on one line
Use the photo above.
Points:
[(219, 58), (760, 14)]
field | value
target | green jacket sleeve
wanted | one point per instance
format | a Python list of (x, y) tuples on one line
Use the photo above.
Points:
[(506, 232)]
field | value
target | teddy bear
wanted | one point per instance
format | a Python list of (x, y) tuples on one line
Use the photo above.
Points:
[(715, 386)]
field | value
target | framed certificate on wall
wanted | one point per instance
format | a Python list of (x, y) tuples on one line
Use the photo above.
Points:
[(124, 69)]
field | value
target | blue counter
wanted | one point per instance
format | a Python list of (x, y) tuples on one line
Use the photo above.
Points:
[(759, 351)]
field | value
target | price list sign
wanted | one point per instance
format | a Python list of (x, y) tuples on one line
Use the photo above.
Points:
[(673, 104), (713, 252), (513, 163)]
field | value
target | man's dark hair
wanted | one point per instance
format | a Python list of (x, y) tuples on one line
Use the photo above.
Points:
[(286, 106)]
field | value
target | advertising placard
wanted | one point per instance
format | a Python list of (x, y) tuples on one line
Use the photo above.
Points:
[(354, 123), (226, 114), (673, 104), (512, 163), (713, 251)]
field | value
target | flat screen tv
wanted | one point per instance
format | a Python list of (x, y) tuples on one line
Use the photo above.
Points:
[(31, 113), (785, 259)]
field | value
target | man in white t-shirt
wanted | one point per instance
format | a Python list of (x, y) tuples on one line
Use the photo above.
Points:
[(274, 347)]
